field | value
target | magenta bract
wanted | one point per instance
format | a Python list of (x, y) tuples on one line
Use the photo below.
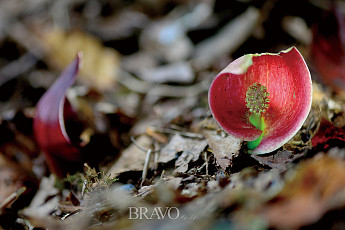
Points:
[(287, 80), (49, 123)]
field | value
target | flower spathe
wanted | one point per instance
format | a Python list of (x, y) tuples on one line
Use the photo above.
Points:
[(287, 86), (50, 133)]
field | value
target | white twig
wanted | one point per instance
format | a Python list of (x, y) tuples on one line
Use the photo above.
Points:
[(11, 198), (146, 166)]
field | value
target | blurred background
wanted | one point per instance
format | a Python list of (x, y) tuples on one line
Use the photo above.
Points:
[(180, 41)]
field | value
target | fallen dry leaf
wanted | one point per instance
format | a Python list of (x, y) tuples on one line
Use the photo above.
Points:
[(279, 160), (100, 64), (224, 149), (180, 144), (132, 158), (191, 153), (317, 186)]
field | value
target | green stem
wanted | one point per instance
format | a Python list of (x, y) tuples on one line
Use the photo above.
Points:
[(258, 121)]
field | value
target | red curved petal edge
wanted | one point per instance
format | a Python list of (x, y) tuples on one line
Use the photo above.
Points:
[(288, 81), (328, 49), (49, 127)]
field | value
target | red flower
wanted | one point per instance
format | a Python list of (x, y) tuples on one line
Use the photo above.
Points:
[(263, 98), (49, 124)]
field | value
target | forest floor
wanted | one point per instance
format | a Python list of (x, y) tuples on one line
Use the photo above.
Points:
[(153, 155)]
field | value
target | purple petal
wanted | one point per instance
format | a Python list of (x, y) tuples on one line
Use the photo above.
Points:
[(49, 126)]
